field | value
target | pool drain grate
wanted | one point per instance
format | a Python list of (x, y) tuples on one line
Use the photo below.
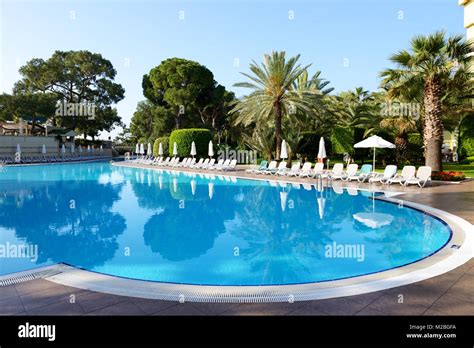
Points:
[(11, 280)]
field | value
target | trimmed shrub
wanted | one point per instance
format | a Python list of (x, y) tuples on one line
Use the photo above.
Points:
[(184, 139), (164, 142)]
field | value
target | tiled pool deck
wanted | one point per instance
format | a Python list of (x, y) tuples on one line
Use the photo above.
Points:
[(451, 293)]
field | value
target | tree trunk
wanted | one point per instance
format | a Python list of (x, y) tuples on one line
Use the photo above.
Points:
[(401, 143), (433, 129), (278, 131), (178, 123)]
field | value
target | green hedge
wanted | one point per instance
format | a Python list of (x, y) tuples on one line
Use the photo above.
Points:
[(164, 142), (184, 138)]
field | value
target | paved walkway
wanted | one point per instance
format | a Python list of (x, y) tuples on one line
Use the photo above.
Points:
[(448, 294)]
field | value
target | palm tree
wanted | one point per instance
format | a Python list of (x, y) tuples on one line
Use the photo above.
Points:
[(274, 95), (433, 61)]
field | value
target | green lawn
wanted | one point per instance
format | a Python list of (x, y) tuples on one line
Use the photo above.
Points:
[(468, 169)]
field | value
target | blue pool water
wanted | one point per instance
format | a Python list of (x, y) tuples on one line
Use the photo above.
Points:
[(174, 227)]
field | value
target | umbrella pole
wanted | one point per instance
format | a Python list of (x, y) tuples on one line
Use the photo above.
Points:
[(373, 168)]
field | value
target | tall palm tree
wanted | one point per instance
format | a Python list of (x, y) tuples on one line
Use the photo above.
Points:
[(274, 95), (431, 63)]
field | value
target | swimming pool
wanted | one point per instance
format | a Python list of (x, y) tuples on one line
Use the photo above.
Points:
[(191, 229)]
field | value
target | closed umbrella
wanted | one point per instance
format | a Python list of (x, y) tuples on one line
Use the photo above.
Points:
[(175, 149), (72, 148), (137, 149), (43, 149), (193, 149), (63, 149), (18, 149), (149, 150), (101, 148), (374, 142), (210, 151), (284, 151), (160, 150), (80, 148), (142, 149), (321, 150), (88, 148)]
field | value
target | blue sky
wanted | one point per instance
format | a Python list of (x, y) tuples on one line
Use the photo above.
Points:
[(349, 41)]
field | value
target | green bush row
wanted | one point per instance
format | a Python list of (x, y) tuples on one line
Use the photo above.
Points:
[(184, 139)]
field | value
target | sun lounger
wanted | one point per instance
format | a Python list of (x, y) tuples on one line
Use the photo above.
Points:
[(336, 173), (231, 166), (281, 166), (222, 165), (263, 165), (215, 166), (271, 166), (306, 171), (350, 171), (198, 164), (408, 172), (294, 170), (364, 172), (423, 176), (389, 172), (210, 164)]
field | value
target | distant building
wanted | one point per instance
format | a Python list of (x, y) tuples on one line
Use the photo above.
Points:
[(468, 17)]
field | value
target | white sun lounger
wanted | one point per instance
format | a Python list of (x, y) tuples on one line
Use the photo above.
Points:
[(271, 166), (215, 166), (389, 172), (408, 172), (295, 168), (305, 171), (350, 172), (199, 163), (232, 165), (336, 172), (281, 167), (423, 175)]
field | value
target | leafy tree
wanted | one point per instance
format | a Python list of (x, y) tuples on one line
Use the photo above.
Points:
[(76, 77), (433, 62), (150, 121), (274, 96), (32, 107)]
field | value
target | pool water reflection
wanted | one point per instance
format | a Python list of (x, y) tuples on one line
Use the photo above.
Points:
[(196, 229)]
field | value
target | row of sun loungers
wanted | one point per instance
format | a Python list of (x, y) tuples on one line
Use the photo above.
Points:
[(408, 176), (175, 162), (49, 159)]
